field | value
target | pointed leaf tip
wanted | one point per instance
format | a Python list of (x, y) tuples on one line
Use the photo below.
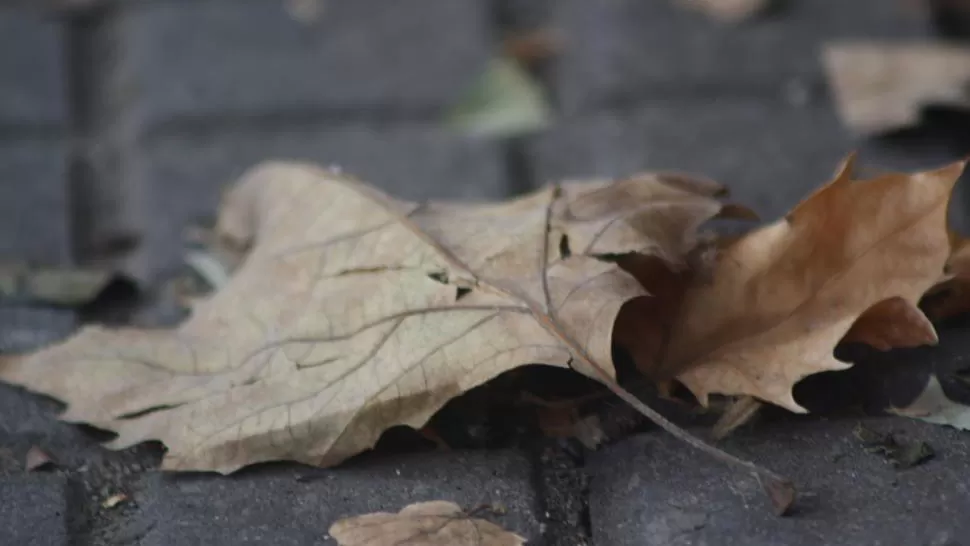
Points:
[(845, 169)]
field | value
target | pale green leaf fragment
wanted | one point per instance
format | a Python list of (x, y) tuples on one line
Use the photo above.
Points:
[(506, 101)]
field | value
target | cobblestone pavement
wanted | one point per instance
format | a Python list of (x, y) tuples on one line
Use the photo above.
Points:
[(123, 120)]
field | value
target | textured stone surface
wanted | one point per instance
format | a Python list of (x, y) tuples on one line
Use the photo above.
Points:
[(198, 59), (32, 85), (653, 490), (33, 511), (623, 48), (34, 201), (180, 177), (274, 507)]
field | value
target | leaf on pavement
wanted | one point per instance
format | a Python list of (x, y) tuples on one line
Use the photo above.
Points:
[(934, 406), (354, 312), (882, 86), (783, 296), (433, 523)]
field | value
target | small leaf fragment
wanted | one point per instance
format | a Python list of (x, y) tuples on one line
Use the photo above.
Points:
[(433, 523), (113, 501), (37, 459), (882, 86), (506, 101), (901, 452)]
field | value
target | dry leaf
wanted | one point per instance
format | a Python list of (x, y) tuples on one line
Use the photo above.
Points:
[(36, 459), (783, 296), (434, 523), (355, 312), (882, 86), (730, 11), (113, 501)]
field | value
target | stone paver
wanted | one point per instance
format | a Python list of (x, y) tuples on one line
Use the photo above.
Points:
[(769, 155), (627, 49), (33, 511), (32, 86), (202, 510), (180, 177), (653, 490), (200, 59), (23, 328), (34, 207)]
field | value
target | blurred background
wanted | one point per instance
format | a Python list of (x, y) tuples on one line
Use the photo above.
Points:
[(121, 121)]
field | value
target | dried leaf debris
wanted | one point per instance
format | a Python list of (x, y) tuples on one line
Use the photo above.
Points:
[(432, 523)]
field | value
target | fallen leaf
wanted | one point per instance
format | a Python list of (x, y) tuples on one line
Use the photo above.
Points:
[(934, 406), (355, 312), (882, 86), (113, 501), (433, 523), (506, 101), (37, 459), (783, 296), (729, 11)]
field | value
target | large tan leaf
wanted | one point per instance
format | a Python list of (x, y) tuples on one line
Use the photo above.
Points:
[(782, 297), (433, 523), (354, 312)]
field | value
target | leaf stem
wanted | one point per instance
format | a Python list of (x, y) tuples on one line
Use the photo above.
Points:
[(779, 489)]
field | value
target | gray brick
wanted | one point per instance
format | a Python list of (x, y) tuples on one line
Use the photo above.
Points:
[(32, 86), (197, 59), (653, 490), (33, 512), (623, 48), (33, 201), (273, 507), (180, 177), (769, 155), (25, 328)]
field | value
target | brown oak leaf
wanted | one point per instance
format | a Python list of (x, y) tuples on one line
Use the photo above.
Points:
[(783, 296), (354, 312)]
